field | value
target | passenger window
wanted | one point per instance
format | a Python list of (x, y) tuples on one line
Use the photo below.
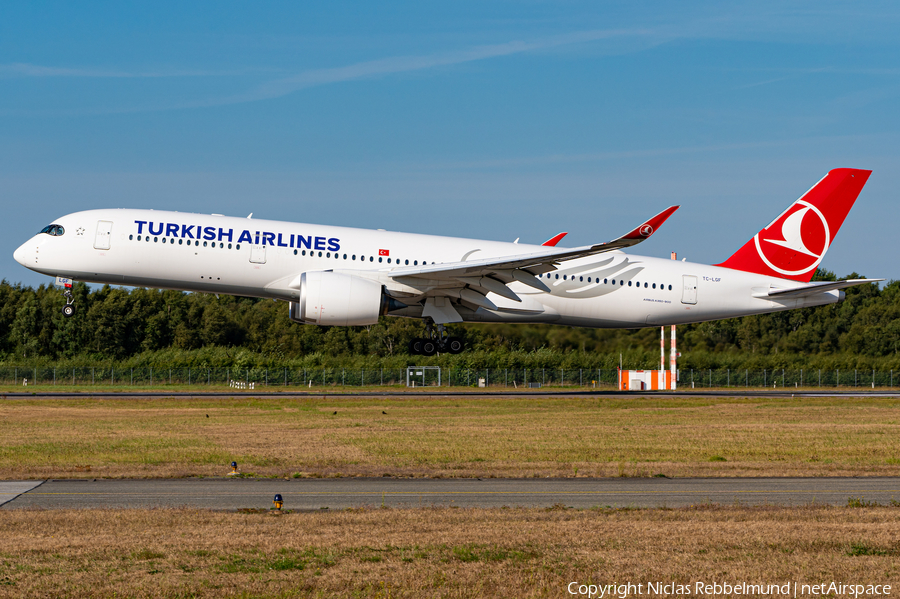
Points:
[(237, 247), (670, 288), (130, 237), (204, 244), (581, 278), (345, 256)]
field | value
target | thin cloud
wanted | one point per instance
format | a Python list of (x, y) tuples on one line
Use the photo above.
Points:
[(358, 71), (405, 64), (797, 75), (645, 153), (22, 69)]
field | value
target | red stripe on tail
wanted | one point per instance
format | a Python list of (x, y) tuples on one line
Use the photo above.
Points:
[(793, 244)]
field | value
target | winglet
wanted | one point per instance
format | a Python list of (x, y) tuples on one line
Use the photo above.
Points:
[(649, 228), (555, 239), (645, 230)]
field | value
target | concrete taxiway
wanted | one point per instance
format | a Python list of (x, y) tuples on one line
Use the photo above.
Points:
[(317, 494)]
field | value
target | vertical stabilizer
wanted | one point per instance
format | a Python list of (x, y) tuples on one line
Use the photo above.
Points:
[(793, 244)]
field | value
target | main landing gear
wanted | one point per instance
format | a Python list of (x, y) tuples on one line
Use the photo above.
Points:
[(436, 341), (69, 309)]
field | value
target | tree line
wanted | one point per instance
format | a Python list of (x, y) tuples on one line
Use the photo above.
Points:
[(172, 328)]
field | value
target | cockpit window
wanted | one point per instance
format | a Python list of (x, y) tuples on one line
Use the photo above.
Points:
[(55, 230)]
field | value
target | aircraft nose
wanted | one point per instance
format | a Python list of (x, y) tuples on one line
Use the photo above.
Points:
[(20, 254)]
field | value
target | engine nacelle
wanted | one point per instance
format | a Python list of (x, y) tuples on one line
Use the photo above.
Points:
[(334, 299)]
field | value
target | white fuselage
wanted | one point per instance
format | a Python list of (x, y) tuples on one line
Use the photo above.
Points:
[(263, 258)]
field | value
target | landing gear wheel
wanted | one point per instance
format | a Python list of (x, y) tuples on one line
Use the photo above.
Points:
[(68, 310), (429, 347), (415, 347), (455, 345)]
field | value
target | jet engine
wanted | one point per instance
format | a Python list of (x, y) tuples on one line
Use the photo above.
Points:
[(335, 299)]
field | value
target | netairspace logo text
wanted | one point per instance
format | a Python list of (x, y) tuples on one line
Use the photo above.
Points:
[(706, 589)]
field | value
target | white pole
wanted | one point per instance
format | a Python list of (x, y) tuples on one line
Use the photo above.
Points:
[(673, 361), (673, 352), (662, 358)]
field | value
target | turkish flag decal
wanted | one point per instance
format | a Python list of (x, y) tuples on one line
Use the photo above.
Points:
[(384, 252)]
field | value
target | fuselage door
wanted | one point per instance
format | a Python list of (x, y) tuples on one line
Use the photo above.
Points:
[(104, 233), (258, 254), (689, 295)]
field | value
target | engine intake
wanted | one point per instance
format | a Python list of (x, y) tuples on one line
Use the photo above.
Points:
[(335, 299)]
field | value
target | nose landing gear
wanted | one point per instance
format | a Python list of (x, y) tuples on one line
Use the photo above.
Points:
[(69, 309), (436, 341)]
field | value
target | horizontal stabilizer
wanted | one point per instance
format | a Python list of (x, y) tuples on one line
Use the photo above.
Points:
[(818, 287)]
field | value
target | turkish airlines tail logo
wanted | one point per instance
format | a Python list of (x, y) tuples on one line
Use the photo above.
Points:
[(794, 244)]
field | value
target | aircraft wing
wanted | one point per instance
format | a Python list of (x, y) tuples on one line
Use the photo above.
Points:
[(534, 263), (818, 287), (471, 280)]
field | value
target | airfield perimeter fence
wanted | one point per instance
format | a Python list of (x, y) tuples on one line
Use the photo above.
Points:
[(455, 377)]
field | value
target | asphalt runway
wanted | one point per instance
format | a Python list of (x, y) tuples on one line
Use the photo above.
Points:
[(342, 493)]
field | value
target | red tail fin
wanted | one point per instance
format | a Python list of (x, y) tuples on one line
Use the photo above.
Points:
[(793, 245)]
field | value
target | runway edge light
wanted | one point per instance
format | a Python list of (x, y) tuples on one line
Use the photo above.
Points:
[(234, 469), (278, 501)]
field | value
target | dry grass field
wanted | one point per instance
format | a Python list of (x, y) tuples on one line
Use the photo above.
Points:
[(436, 552), (421, 435)]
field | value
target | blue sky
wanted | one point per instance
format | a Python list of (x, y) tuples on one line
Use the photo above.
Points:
[(492, 120)]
